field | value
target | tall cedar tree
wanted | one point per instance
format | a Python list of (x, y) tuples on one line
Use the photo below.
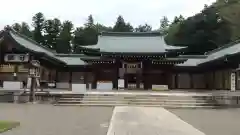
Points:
[(121, 26), (38, 23), (52, 30), (65, 38)]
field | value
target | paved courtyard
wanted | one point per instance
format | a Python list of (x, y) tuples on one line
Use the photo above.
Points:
[(37, 119), (212, 121), (51, 120)]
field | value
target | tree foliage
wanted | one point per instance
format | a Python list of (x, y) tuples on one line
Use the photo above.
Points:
[(22, 28), (178, 19), (52, 30), (143, 28), (164, 24), (122, 26), (201, 33), (64, 42), (38, 23), (216, 25)]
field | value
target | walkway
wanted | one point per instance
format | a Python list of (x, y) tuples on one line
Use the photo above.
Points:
[(148, 121)]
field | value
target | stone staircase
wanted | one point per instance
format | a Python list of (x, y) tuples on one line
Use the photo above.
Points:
[(168, 101)]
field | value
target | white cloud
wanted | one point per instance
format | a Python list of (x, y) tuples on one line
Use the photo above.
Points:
[(104, 11)]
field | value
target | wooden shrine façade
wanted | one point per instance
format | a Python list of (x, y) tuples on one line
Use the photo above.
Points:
[(140, 60)]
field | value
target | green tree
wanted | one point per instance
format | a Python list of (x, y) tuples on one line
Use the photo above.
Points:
[(164, 24), (17, 27), (101, 28), (143, 28), (122, 26), (202, 32), (38, 23), (65, 38), (78, 39), (87, 35), (22, 28), (25, 30), (90, 22), (52, 30), (178, 19)]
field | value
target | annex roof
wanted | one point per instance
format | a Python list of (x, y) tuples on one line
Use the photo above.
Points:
[(35, 47)]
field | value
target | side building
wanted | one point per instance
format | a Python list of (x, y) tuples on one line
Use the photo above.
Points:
[(128, 60)]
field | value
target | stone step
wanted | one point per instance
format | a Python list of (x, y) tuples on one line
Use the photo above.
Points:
[(145, 95), (165, 106), (132, 102), (119, 97)]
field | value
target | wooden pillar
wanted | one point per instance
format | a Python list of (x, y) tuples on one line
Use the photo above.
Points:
[(191, 81), (176, 81), (70, 80), (95, 78), (49, 75), (138, 80), (56, 79), (214, 86), (115, 78), (15, 74), (145, 80), (169, 80), (145, 76), (125, 81), (206, 79), (223, 80), (86, 80)]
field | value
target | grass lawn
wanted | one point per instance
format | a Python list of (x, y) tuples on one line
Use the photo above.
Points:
[(7, 125)]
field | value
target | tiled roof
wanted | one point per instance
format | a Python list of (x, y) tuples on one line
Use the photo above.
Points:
[(191, 62), (222, 52), (72, 61), (34, 46), (132, 42), (229, 49)]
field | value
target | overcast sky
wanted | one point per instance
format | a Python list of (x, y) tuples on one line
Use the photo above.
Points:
[(104, 11)]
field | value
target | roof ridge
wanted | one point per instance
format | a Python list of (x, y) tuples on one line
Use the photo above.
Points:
[(193, 56), (31, 40), (233, 43), (125, 34)]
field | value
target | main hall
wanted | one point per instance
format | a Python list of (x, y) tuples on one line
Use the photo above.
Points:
[(120, 60)]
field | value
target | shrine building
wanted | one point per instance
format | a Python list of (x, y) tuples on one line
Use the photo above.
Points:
[(139, 61)]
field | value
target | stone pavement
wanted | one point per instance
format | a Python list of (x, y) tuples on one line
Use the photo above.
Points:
[(148, 121), (36, 119), (212, 121)]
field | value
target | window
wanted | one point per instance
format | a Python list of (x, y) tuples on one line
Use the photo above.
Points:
[(21, 57), (10, 57)]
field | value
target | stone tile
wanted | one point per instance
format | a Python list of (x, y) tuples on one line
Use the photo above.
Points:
[(212, 121), (148, 121), (54, 120)]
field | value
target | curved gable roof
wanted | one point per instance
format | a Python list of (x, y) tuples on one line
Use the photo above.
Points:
[(142, 42), (35, 47)]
